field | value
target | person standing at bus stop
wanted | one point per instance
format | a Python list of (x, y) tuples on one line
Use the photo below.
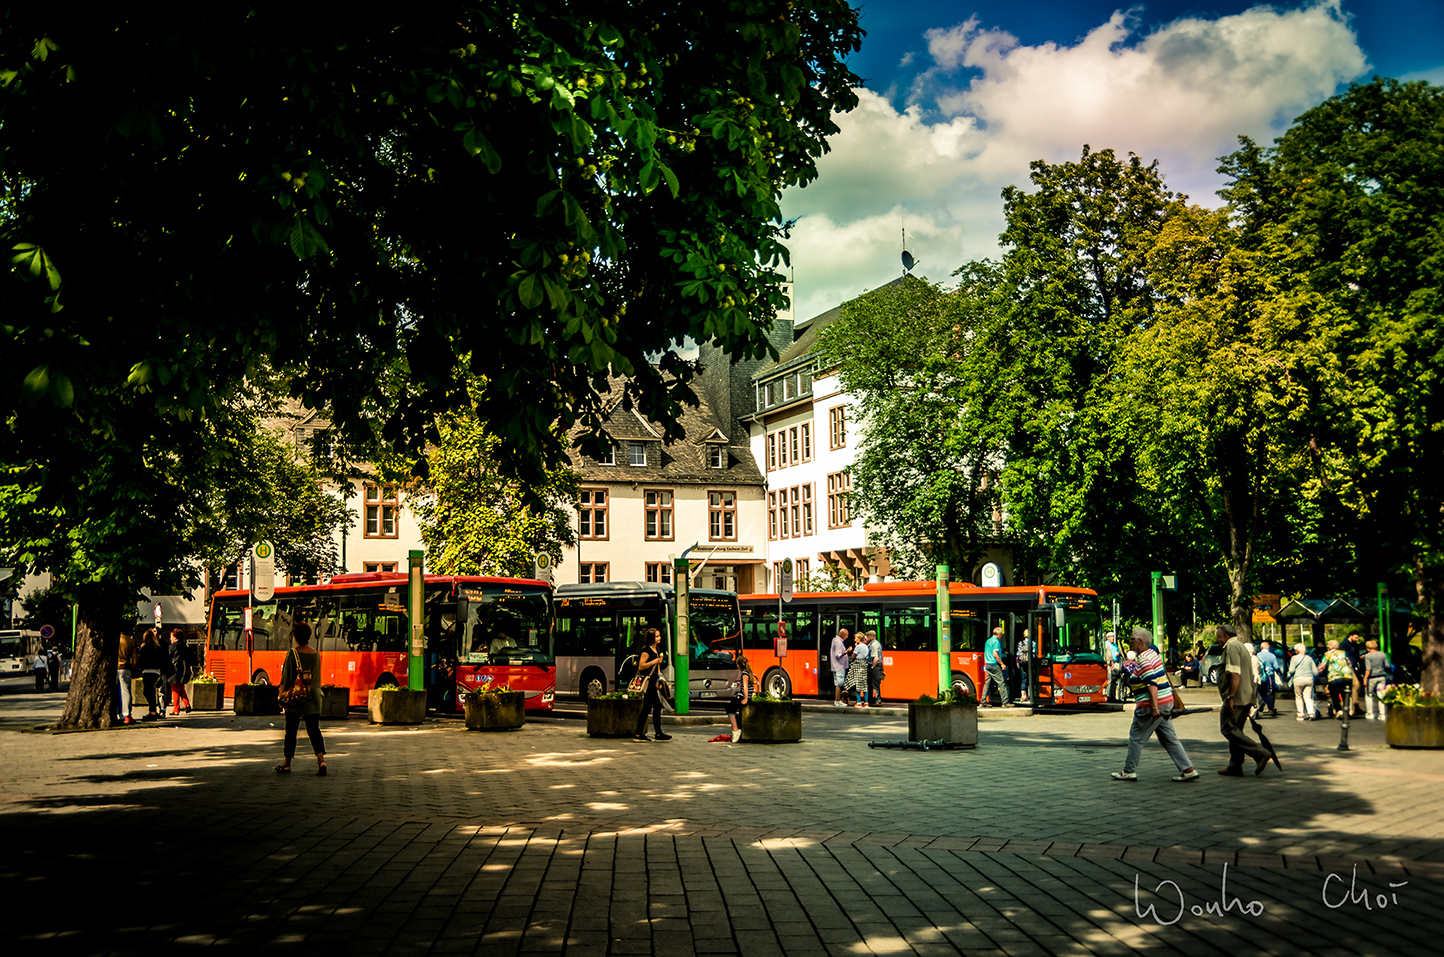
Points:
[(839, 655), (180, 670), (995, 669), (38, 665), (649, 666), (307, 661)]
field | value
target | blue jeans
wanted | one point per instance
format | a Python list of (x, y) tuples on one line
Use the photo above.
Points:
[(123, 711)]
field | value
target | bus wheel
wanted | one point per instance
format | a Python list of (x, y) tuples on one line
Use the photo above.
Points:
[(962, 684), (776, 684), (260, 677), (593, 684), (386, 680)]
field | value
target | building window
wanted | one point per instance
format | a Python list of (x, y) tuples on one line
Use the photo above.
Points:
[(807, 509), (796, 512), (722, 516), (610, 458), (772, 395), (659, 515), (771, 451), (837, 425), (792, 387), (771, 514), (804, 382), (593, 522), (382, 504), (799, 573), (783, 526), (838, 485), (592, 572), (793, 445), (716, 456), (807, 441), (378, 566), (660, 572), (638, 453)]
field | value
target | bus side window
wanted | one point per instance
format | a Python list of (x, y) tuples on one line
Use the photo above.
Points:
[(802, 630), (968, 634), (911, 629)]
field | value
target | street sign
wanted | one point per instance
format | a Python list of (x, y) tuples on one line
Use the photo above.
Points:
[(46, 632), (156, 611), (263, 572), (992, 575), (786, 579), (542, 567)]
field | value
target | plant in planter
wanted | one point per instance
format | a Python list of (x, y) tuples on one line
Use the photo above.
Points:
[(335, 701), (495, 708), (256, 699), (205, 693), (768, 720), (1413, 718), (951, 717), (394, 705), (614, 715)]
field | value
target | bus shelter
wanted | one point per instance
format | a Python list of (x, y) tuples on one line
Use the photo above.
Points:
[(1315, 613)]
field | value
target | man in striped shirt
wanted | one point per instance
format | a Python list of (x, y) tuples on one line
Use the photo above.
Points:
[(1153, 714)]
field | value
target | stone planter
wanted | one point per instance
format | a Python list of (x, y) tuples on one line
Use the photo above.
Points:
[(771, 722), (396, 706), (505, 711), (206, 695), (137, 693), (1406, 727), (335, 702), (256, 699), (955, 724), (613, 717)]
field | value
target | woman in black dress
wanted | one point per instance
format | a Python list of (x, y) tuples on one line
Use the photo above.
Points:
[(649, 666)]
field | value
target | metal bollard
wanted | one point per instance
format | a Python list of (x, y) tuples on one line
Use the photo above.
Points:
[(1344, 725)]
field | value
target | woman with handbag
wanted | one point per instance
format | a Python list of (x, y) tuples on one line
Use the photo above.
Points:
[(649, 670), (301, 697)]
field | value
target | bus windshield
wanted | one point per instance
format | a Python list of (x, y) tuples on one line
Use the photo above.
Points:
[(505, 627), (1081, 627), (715, 625)]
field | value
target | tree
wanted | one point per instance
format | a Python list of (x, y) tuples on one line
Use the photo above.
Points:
[(359, 200), (1354, 190), (920, 481), (475, 520)]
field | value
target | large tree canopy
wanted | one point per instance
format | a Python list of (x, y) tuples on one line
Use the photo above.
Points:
[(555, 190)]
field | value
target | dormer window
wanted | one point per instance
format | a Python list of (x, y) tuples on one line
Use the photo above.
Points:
[(609, 457), (638, 453), (716, 457)]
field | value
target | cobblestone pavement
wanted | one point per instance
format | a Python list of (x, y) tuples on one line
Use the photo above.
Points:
[(439, 840)]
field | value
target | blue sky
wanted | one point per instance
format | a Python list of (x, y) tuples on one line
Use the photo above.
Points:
[(961, 96)]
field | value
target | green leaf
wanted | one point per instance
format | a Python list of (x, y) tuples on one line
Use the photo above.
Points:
[(38, 380), (530, 292), (671, 179)]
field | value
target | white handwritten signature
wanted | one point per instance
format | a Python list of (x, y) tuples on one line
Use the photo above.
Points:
[(1353, 894)]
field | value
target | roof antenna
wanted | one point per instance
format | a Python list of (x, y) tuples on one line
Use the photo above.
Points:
[(907, 258)]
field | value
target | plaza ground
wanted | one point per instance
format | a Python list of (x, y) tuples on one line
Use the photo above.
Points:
[(178, 835)]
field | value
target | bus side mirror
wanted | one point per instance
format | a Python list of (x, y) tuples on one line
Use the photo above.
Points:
[(1059, 616)]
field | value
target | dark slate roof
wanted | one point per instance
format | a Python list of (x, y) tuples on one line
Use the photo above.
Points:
[(806, 340), (684, 462)]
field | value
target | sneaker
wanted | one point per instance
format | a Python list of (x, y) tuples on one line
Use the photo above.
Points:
[(737, 735), (640, 737), (838, 704), (1189, 775), (662, 737), (1127, 775), (1231, 772)]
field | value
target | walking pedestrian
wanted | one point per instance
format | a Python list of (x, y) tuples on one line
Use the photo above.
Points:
[(1025, 655), (839, 656), (857, 670), (1268, 668), (875, 674), (306, 661), (1353, 649), (1376, 676), (124, 669), (1300, 674), (52, 668), (1153, 712), (1339, 677), (746, 688), (649, 666), (39, 665), (180, 670), (995, 669), (152, 663), (1239, 690)]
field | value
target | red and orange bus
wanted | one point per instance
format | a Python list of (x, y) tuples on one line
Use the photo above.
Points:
[(478, 630), (1064, 623)]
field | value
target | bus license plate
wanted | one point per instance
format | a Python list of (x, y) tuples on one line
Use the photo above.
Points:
[(1084, 699), (707, 694)]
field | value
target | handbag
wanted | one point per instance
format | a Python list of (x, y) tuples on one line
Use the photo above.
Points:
[(638, 685), (298, 693)]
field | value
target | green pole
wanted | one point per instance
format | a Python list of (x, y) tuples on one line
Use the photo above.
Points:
[(1158, 636), (945, 631), (681, 667), (1385, 628), (74, 627), (416, 667)]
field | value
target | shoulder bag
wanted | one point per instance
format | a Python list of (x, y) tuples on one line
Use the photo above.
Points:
[(297, 694)]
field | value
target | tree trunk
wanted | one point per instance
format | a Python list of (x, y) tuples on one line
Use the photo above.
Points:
[(93, 676), (1430, 589)]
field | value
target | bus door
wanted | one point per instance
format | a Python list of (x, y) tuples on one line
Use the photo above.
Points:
[(830, 621)]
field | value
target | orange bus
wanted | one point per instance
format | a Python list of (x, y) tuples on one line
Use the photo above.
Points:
[(1064, 623), (478, 630)]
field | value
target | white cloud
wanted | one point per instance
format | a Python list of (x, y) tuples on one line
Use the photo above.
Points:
[(1181, 94)]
